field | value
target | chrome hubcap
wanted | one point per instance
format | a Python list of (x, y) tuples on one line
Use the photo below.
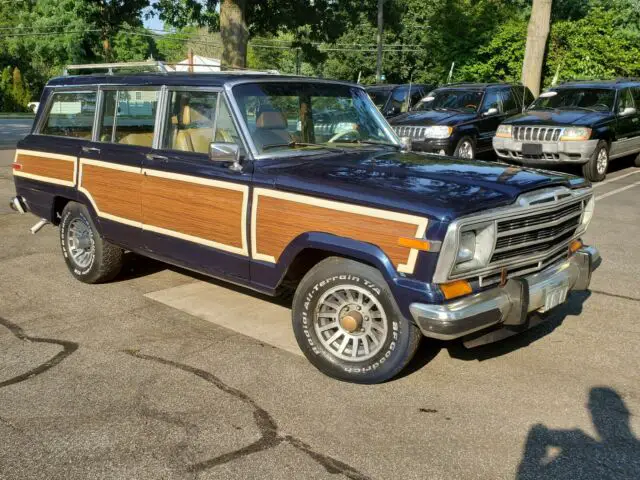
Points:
[(602, 161), (465, 150), (80, 244), (350, 323)]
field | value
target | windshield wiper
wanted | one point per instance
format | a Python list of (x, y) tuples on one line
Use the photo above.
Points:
[(300, 144), (575, 107), (372, 142)]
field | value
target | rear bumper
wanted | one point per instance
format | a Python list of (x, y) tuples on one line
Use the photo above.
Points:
[(509, 305), (552, 153), (18, 204)]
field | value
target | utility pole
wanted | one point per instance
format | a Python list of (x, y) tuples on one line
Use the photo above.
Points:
[(379, 40)]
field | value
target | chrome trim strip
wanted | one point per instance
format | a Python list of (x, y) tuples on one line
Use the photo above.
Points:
[(539, 226), (534, 242)]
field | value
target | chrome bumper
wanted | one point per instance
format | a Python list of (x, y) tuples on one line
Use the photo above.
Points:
[(18, 204), (508, 305)]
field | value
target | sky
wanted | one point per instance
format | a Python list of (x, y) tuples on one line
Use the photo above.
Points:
[(154, 23)]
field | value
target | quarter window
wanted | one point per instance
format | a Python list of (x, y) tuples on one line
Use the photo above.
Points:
[(509, 100), (190, 121), (128, 117), (71, 115)]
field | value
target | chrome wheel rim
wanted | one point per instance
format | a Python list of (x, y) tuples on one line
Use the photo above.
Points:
[(465, 150), (350, 323), (602, 161), (80, 244)]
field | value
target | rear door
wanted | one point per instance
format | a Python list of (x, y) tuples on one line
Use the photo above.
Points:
[(194, 211), (111, 166)]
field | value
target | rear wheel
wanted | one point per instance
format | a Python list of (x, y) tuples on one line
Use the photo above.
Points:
[(595, 169), (89, 257), (347, 324), (636, 161), (466, 148)]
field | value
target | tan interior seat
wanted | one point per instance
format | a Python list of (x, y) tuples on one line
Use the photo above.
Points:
[(271, 129), (141, 139)]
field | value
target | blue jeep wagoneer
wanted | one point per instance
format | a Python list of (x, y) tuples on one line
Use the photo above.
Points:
[(274, 182)]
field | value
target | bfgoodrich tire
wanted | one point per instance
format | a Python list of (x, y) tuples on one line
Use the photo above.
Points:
[(348, 325), (595, 169), (89, 257)]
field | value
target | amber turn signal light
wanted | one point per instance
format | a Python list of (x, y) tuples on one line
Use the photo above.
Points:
[(575, 246), (456, 289), (414, 243)]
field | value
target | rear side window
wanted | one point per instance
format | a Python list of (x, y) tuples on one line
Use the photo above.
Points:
[(190, 121), (71, 115), (128, 117), (509, 101), (635, 92)]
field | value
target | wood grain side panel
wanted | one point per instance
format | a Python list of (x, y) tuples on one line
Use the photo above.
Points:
[(279, 221), (114, 192), (202, 211), (47, 167)]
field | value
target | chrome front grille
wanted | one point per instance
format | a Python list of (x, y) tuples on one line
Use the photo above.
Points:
[(537, 134), (415, 133)]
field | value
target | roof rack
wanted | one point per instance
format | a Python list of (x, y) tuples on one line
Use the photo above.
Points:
[(159, 66)]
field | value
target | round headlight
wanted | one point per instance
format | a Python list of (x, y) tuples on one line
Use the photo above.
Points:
[(467, 248)]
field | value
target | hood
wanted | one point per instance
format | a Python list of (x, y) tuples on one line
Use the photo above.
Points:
[(560, 118), (429, 185), (433, 117)]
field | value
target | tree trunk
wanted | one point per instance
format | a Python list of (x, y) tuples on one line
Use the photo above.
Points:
[(379, 41), (537, 34), (234, 33)]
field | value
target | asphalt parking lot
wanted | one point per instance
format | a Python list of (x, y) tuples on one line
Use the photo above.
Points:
[(162, 374)]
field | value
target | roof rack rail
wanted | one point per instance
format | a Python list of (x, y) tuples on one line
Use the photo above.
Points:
[(159, 66)]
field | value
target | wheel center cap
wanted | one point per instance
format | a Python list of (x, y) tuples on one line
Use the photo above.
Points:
[(352, 321)]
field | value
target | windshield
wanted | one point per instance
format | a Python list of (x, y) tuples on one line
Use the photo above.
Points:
[(457, 100), (597, 99), (379, 97), (283, 116)]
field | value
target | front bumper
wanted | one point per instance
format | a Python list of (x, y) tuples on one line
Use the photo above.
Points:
[(441, 146), (509, 305), (552, 153)]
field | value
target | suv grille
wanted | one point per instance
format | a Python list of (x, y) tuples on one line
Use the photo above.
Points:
[(415, 133), (537, 134), (536, 234)]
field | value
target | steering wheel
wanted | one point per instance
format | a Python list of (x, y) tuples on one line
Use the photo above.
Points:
[(338, 136)]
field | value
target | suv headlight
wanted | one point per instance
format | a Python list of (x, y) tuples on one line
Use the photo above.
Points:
[(587, 215), (504, 131), (575, 133), (438, 131), (475, 245)]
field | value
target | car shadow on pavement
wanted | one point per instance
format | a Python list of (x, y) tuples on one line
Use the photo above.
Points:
[(561, 454), (137, 266), (551, 321)]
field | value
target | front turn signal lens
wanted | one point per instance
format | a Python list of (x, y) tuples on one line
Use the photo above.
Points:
[(456, 289), (414, 243), (575, 246)]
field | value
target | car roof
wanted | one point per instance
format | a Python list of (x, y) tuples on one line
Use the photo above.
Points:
[(216, 79), (393, 86), (478, 86), (612, 84)]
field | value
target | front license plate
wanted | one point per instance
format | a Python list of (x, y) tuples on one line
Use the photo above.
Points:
[(531, 149), (554, 296)]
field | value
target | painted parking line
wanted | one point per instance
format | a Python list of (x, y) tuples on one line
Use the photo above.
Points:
[(240, 312), (614, 179), (617, 190)]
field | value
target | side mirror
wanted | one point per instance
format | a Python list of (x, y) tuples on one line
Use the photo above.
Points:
[(224, 152), (627, 111), (491, 111), (405, 144)]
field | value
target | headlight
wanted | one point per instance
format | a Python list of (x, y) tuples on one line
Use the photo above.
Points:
[(587, 215), (438, 131), (504, 131), (475, 247), (575, 133)]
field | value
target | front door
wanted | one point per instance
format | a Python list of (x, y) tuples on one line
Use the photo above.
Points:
[(627, 139), (194, 211), (488, 122)]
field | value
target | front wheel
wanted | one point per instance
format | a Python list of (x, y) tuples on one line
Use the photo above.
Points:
[(595, 170), (89, 257), (347, 324), (466, 148)]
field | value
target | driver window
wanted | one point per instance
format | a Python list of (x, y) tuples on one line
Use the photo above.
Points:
[(491, 100), (190, 122), (626, 100)]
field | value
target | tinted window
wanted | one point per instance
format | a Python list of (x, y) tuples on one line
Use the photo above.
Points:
[(190, 121), (398, 101), (626, 100), (491, 100), (379, 97), (71, 115), (454, 99), (599, 99), (528, 97), (416, 95), (129, 117), (511, 100), (635, 91)]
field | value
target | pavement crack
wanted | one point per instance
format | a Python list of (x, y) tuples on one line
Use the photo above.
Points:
[(615, 295), (270, 436), (68, 348)]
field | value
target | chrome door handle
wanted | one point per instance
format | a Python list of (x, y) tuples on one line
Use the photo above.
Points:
[(90, 150), (155, 157)]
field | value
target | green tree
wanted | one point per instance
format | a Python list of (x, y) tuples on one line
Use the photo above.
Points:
[(130, 47)]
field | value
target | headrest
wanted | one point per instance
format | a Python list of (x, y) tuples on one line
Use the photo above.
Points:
[(271, 120)]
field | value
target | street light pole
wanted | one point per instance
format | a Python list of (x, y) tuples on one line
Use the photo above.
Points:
[(379, 40)]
